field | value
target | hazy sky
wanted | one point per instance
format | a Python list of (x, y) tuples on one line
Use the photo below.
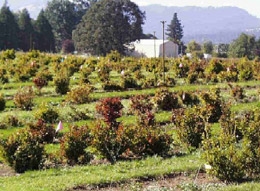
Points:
[(252, 6)]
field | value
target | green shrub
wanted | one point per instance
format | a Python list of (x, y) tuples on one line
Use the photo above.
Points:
[(84, 74), (237, 92), (80, 94), (211, 105), (8, 54), (189, 127), (129, 82), (189, 98), (47, 113), (23, 151), (2, 102), (23, 98), (192, 78), (74, 144), (3, 76), (215, 66), (234, 153), (166, 100), (62, 83), (109, 86), (141, 141), (44, 131)]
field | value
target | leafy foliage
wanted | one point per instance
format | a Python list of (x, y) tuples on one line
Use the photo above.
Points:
[(24, 98), (23, 151), (74, 144), (100, 32)]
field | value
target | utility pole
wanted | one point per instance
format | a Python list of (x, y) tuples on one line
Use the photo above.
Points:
[(154, 44), (163, 60)]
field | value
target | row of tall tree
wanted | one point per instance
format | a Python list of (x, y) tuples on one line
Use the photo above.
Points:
[(52, 27), (93, 26)]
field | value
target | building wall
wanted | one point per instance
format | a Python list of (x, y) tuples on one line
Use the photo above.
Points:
[(153, 48)]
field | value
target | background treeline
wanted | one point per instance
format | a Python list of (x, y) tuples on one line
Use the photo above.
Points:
[(47, 32)]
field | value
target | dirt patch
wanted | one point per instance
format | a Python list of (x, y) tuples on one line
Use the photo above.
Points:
[(171, 182), (6, 170)]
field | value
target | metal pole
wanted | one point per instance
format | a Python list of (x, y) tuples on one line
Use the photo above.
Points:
[(154, 44), (163, 22)]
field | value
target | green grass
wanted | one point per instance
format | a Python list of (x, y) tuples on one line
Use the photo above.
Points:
[(64, 178)]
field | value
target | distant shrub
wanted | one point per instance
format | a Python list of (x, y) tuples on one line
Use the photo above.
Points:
[(237, 92), (3, 76), (166, 100), (47, 113), (62, 84), (80, 94), (24, 98), (40, 82), (2, 102)]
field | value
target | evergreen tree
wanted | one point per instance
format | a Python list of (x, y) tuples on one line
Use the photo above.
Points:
[(109, 25), (45, 38), (26, 33), (175, 30), (9, 29)]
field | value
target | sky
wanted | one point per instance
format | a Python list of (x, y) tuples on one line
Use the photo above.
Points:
[(251, 6)]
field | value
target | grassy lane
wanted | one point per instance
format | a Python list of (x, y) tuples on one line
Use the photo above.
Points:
[(64, 178)]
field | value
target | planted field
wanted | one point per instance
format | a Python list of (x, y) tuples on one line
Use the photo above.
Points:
[(122, 121)]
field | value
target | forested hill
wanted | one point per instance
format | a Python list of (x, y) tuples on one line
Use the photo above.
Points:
[(215, 24)]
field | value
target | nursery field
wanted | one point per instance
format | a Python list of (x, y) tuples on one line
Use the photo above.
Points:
[(120, 123)]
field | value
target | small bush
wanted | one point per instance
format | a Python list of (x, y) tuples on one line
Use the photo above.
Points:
[(108, 86), (234, 153), (143, 141), (40, 82), (237, 92), (108, 134), (62, 84), (129, 82), (47, 113), (80, 94), (2, 103), (142, 107), (23, 151), (74, 144), (23, 99), (44, 131), (189, 127), (166, 100)]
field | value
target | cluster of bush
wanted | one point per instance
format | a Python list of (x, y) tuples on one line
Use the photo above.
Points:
[(41, 68)]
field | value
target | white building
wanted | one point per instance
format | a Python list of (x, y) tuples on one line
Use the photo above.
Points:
[(153, 48)]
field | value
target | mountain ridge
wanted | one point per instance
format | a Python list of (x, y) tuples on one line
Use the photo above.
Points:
[(219, 24)]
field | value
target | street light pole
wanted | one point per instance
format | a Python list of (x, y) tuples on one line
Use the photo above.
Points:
[(163, 22)]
